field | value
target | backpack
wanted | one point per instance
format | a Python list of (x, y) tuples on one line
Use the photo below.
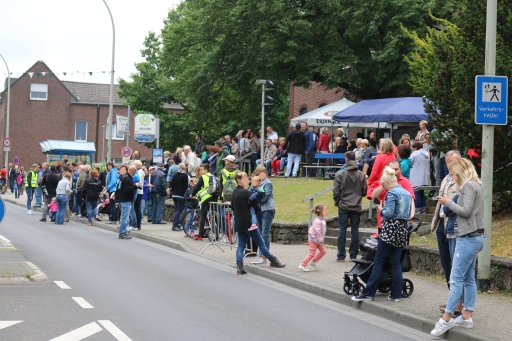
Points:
[(19, 179), (74, 178), (229, 186), (214, 186)]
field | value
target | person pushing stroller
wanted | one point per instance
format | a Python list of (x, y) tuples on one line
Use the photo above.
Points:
[(393, 237)]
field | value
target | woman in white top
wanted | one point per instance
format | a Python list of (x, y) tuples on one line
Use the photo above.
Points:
[(420, 136), (63, 187), (140, 192)]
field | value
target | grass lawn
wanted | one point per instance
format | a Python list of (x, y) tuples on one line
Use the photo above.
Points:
[(288, 195), (500, 240)]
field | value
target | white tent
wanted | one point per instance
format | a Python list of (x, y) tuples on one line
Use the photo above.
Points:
[(322, 117)]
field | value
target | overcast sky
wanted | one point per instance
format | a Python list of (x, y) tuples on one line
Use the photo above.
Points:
[(76, 35)]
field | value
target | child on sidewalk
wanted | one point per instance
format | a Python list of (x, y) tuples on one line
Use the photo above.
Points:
[(190, 204), (316, 236), (53, 207), (257, 193)]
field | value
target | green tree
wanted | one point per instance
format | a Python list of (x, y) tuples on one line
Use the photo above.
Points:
[(443, 69), (210, 53)]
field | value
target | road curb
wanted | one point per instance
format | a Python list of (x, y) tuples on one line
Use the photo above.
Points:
[(395, 315), (38, 274)]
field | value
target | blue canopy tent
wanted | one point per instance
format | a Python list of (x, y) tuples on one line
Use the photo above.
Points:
[(392, 110)]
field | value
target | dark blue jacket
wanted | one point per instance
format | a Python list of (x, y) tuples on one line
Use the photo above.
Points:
[(310, 141), (452, 218)]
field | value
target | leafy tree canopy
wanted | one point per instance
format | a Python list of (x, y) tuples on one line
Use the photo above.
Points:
[(443, 69), (210, 52)]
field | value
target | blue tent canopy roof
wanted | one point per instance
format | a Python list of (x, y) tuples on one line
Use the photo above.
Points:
[(403, 109)]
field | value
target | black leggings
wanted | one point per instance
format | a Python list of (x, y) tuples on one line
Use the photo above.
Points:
[(205, 207), (136, 207)]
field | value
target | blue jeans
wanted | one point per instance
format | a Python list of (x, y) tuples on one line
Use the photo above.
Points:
[(133, 215), (462, 277), (78, 202), (190, 220), (113, 210), (62, 201), (125, 212), (385, 250), (254, 216), (293, 159), (179, 206), (355, 218), (265, 219), (284, 162), (243, 237), (30, 196), (11, 184), (91, 208), (150, 208), (143, 208), (53, 215), (420, 201), (158, 207), (254, 157), (39, 196), (444, 252)]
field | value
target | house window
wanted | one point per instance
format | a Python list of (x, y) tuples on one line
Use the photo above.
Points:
[(115, 135), (81, 131), (303, 111), (39, 92), (322, 105)]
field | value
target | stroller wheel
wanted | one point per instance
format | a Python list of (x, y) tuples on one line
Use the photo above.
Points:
[(347, 287), (407, 287), (357, 289), (384, 290)]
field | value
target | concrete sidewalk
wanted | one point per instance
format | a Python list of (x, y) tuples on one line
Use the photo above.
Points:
[(419, 311)]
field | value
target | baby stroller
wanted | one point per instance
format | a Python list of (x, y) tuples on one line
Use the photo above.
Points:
[(362, 269), (104, 205)]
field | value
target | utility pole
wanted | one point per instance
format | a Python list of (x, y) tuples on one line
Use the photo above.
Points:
[(8, 108), (484, 257), (111, 102)]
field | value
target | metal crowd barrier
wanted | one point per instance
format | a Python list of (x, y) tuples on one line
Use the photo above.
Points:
[(222, 227)]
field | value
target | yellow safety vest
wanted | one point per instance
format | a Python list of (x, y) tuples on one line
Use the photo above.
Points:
[(203, 192), (33, 180)]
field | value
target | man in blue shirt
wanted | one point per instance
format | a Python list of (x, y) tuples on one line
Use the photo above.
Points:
[(310, 147)]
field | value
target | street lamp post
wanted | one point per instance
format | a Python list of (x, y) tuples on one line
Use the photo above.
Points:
[(103, 145), (8, 108), (263, 83), (111, 103)]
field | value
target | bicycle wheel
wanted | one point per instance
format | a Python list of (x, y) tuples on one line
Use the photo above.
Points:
[(184, 220), (211, 227)]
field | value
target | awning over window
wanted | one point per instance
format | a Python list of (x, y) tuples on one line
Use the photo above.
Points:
[(67, 147)]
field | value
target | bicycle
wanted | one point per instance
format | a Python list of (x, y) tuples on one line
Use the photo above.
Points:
[(195, 216)]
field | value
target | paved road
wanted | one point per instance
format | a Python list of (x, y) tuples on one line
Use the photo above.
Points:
[(142, 291)]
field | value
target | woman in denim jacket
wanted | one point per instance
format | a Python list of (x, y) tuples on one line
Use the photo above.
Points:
[(393, 237), (470, 241)]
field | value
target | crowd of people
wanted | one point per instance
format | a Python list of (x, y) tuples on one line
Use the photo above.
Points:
[(388, 178)]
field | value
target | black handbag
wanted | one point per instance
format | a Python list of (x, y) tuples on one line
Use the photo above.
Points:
[(405, 260)]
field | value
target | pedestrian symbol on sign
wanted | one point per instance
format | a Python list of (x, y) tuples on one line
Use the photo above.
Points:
[(491, 91)]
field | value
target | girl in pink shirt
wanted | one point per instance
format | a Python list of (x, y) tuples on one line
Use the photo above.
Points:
[(316, 236)]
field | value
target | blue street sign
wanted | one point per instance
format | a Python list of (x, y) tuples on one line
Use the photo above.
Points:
[(491, 100), (2, 210)]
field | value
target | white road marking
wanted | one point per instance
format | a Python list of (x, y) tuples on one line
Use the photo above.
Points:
[(62, 285), (5, 239), (112, 329), (83, 303), (5, 324), (80, 333)]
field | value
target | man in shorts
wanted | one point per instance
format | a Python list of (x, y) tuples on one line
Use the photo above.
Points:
[(3, 179)]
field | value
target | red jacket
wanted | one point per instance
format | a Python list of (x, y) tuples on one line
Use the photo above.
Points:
[(323, 143), (381, 162)]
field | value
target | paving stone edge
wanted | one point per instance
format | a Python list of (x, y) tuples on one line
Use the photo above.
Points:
[(418, 323)]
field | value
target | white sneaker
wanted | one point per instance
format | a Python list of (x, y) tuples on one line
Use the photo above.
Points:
[(130, 228), (79, 216), (442, 327), (29, 212), (259, 261), (303, 268), (460, 322)]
